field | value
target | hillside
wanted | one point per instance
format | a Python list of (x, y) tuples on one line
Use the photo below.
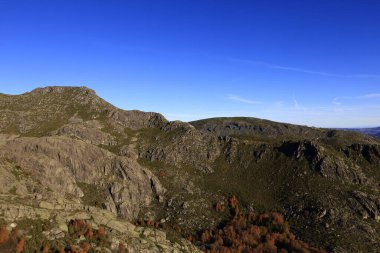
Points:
[(67, 155)]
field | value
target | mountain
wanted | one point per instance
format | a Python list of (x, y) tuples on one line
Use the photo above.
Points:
[(75, 170), (375, 132)]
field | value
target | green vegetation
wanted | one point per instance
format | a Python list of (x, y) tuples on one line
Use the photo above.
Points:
[(13, 190), (17, 172), (93, 195)]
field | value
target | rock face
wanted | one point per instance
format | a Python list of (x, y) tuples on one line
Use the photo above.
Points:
[(371, 153), (59, 163), (319, 160), (136, 239), (181, 144), (90, 131), (367, 205), (65, 153)]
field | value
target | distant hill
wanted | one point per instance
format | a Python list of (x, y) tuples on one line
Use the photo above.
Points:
[(375, 132)]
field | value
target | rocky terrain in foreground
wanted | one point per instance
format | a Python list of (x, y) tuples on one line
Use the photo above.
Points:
[(67, 155)]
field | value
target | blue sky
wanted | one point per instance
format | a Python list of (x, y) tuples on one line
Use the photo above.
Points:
[(314, 62)]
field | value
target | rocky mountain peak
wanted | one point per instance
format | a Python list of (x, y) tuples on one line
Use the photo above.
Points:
[(62, 89), (47, 109)]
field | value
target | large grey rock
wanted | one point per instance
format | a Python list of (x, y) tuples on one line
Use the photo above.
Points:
[(179, 144), (59, 163)]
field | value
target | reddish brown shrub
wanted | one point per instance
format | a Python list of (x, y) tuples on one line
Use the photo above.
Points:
[(233, 202), (205, 237), (45, 249), (78, 228), (90, 234), (219, 207), (161, 174), (264, 233), (85, 247), (101, 232), (4, 235), (20, 246)]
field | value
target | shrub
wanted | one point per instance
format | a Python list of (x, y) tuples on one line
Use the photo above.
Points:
[(4, 235), (20, 246), (248, 232)]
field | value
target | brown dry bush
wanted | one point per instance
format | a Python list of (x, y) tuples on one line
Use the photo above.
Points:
[(219, 207), (11, 242), (249, 232), (86, 247), (20, 246), (46, 249), (4, 235)]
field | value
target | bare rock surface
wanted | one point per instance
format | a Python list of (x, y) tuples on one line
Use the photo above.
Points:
[(137, 239), (181, 144), (59, 163), (89, 131)]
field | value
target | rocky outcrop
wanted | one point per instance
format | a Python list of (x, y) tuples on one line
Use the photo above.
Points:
[(231, 147), (302, 149), (253, 127), (59, 163), (339, 169), (319, 160), (137, 239), (369, 153), (367, 205), (181, 144), (60, 90), (235, 149), (89, 131), (136, 119)]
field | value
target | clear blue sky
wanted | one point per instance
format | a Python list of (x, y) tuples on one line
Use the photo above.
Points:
[(314, 62)]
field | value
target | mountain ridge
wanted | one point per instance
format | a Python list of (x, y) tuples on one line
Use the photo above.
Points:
[(138, 166)]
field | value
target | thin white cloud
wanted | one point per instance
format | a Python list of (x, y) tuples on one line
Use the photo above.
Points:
[(365, 76), (314, 72), (279, 104), (372, 95), (295, 102), (337, 100), (243, 100), (301, 70)]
